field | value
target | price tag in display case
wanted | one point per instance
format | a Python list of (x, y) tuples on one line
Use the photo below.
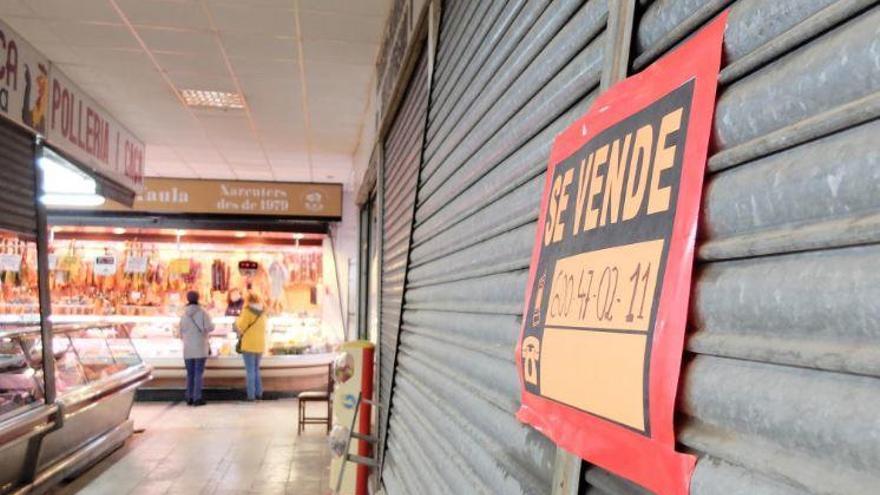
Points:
[(68, 263), (180, 266), (136, 264), (248, 268), (105, 265), (10, 263), (53, 261)]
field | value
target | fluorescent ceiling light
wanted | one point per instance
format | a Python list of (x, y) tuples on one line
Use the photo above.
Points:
[(66, 185), (212, 99), (61, 178)]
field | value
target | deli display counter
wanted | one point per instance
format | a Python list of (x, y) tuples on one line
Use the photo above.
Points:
[(137, 279), (97, 369), (296, 359), (298, 352)]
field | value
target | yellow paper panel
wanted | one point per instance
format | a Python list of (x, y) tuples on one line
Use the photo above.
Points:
[(598, 372)]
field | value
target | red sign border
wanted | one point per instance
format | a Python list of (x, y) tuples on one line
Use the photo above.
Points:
[(651, 461)]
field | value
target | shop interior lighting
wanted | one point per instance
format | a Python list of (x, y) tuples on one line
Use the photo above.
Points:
[(212, 99), (82, 200), (118, 231), (240, 235), (298, 236), (66, 185)]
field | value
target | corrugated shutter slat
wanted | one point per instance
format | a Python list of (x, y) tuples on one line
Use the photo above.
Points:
[(781, 395), (17, 189), (781, 387), (403, 152), (496, 106)]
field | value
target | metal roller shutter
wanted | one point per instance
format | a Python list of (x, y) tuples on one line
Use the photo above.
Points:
[(781, 394), (513, 74), (18, 211), (781, 389), (403, 152)]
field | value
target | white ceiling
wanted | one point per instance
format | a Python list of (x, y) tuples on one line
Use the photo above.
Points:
[(305, 68)]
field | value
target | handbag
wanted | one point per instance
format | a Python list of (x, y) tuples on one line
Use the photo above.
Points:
[(241, 335)]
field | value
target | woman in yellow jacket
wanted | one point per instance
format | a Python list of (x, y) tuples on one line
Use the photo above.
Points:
[(251, 327)]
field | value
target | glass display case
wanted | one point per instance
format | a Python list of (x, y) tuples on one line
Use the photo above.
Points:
[(297, 348), (156, 337), (95, 347), (97, 370), (21, 383), (84, 354)]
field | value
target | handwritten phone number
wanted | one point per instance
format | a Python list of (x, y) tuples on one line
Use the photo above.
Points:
[(605, 289)]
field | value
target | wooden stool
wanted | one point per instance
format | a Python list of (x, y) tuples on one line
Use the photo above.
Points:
[(317, 396)]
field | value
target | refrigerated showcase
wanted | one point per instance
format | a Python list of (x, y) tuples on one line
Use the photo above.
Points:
[(96, 372), (297, 356), (299, 349)]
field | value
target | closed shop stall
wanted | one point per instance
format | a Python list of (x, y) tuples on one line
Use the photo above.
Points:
[(508, 76), (18, 188), (781, 392), (781, 387), (402, 152)]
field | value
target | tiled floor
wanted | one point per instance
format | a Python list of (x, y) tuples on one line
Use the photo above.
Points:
[(222, 448)]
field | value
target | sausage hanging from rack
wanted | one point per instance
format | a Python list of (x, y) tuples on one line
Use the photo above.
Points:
[(219, 276)]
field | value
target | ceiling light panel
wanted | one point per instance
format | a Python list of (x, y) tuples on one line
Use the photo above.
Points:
[(202, 98)]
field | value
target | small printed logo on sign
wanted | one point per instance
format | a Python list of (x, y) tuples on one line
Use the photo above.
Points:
[(313, 201), (531, 354)]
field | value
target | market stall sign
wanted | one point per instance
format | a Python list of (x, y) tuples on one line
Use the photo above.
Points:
[(284, 199), (84, 130), (137, 264), (105, 265), (69, 262), (180, 266), (35, 94), (600, 351), (248, 268), (24, 81), (10, 263)]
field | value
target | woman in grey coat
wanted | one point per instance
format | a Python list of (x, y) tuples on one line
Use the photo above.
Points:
[(195, 326)]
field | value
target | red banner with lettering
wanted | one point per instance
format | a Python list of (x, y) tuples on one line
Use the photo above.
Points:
[(600, 350), (84, 130)]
